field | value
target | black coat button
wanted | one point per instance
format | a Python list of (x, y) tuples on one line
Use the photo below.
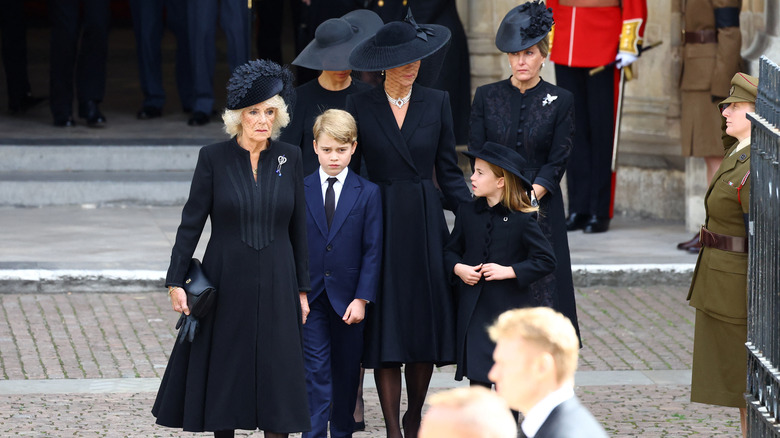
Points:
[(327, 273), (329, 247)]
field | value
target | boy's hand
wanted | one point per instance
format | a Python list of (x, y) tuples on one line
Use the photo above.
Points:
[(304, 306), (469, 274), (355, 313), (493, 271)]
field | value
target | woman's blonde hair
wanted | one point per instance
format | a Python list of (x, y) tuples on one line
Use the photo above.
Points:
[(544, 46), (232, 118), (514, 196), (337, 124)]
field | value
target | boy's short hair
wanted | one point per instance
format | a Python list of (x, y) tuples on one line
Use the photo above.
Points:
[(546, 328), (337, 124)]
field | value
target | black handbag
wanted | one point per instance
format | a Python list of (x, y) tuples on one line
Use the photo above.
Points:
[(201, 296)]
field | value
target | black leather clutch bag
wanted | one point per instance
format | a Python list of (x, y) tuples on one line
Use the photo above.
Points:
[(201, 294)]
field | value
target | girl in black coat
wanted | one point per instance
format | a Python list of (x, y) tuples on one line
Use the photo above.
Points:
[(496, 249)]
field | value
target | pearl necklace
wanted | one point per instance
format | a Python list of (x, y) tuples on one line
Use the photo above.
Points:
[(401, 101)]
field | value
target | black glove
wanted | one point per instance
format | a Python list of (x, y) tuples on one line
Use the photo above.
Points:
[(188, 325)]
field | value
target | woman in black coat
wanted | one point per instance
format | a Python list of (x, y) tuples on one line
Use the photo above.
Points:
[(244, 369), (329, 53), (495, 251), (536, 119), (404, 137)]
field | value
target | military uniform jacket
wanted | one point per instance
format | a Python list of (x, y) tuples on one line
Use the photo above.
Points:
[(484, 234), (707, 69), (719, 286), (591, 36)]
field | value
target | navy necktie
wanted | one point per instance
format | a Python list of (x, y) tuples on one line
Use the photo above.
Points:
[(330, 200)]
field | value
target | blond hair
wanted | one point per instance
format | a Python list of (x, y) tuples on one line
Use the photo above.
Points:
[(232, 118), (337, 124), (513, 196), (545, 328), (544, 45), (480, 412)]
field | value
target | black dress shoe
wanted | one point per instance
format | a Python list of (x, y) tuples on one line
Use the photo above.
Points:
[(149, 112), (89, 110), (596, 225), (359, 426), (65, 122), (198, 119), (576, 221), (27, 102), (687, 244)]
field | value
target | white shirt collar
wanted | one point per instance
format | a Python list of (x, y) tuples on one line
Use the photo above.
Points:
[(537, 415), (341, 177), (742, 144)]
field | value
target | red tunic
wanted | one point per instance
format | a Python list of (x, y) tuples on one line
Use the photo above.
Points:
[(592, 36)]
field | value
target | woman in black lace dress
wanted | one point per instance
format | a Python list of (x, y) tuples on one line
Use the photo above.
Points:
[(536, 119)]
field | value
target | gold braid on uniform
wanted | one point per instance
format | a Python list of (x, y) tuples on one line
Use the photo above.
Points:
[(630, 41)]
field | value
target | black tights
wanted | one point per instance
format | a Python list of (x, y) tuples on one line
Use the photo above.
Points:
[(388, 385), (231, 434)]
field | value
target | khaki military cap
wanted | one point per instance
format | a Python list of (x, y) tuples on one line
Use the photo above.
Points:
[(743, 89)]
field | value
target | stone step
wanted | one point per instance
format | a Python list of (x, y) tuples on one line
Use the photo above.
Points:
[(37, 189), (56, 158)]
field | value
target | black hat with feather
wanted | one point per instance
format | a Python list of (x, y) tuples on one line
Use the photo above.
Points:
[(524, 26), (257, 81)]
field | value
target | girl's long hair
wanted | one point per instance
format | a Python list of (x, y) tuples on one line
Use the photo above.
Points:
[(514, 196)]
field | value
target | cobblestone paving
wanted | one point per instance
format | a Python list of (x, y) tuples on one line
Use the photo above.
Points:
[(76, 336)]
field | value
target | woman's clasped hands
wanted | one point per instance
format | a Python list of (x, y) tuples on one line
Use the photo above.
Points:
[(491, 271)]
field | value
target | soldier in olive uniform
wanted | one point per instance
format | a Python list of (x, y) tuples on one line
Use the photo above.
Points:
[(710, 57), (719, 287)]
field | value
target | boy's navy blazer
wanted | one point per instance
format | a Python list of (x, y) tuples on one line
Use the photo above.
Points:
[(344, 260)]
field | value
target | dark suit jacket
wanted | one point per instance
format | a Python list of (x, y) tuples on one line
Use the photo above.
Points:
[(571, 420), (344, 260)]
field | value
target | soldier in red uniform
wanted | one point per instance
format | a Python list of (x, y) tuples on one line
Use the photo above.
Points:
[(588, 34)]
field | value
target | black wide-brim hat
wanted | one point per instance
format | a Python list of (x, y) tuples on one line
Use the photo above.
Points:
[(524, 26), (257, 81), (503, 157), (398, 43), (335, 38)]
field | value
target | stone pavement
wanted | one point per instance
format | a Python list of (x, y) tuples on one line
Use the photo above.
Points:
[(88, 364)]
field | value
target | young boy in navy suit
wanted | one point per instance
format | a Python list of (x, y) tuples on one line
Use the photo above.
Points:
[(344, 220)]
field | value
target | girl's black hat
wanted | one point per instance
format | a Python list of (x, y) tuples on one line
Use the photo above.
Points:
[(504, 158), (257, 81), (524, 26), (335, 38), (398, 43)]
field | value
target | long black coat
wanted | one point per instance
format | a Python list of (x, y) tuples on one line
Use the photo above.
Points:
[(245, 368), (413, 317), (541, 129), (484, 234)]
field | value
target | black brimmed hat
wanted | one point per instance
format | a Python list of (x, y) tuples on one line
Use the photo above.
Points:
[(257, 81), (335, 38), (398, 43), (524, 26), (503, 157)]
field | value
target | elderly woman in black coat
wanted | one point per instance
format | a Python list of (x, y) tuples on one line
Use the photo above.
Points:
[(244, 369), (405, 136), (536, 119)]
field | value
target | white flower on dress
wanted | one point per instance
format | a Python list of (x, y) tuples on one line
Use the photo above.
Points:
[(548, 99)]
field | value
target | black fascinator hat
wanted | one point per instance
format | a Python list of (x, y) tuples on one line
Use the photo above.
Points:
[(257, 81), (503, 157), (398, 43), (335, 38), (524, 26)]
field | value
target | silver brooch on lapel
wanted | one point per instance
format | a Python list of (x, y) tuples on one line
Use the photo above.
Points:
[(548, 99), (281, 160)]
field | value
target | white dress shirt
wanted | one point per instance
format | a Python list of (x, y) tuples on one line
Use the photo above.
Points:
[(337, 186), (538, 414)]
